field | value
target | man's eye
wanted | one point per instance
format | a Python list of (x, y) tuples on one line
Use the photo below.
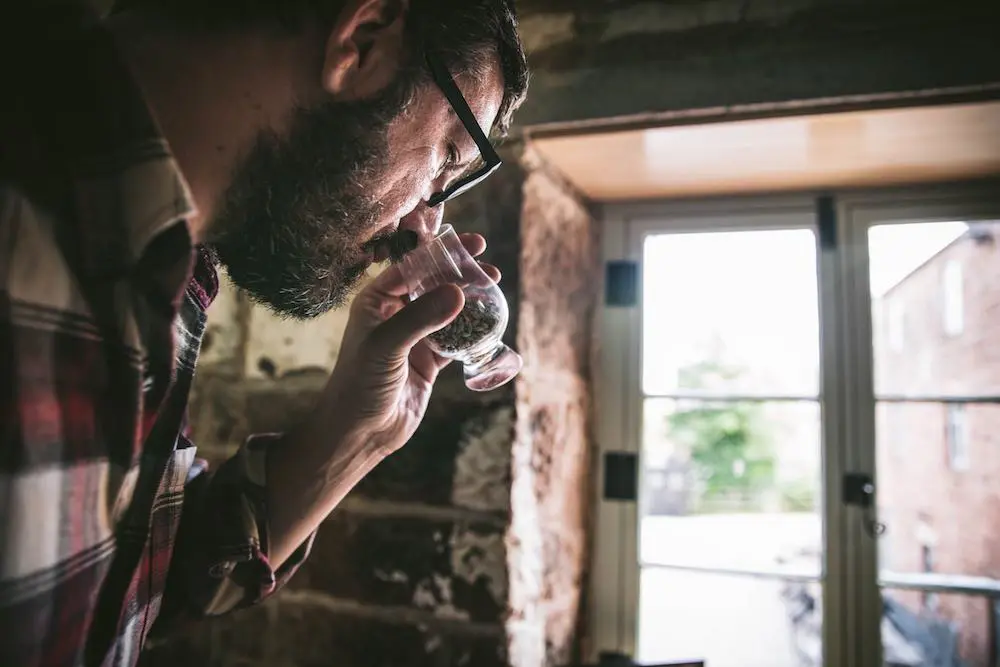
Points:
[(452, 159), (451, 156)]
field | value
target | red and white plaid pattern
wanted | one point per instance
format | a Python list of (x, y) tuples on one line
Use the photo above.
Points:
[(107, 521)]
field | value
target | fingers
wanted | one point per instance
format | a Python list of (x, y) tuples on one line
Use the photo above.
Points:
[(417, 320), (391, 282), (474, 243), (426, 363), (492, 271)]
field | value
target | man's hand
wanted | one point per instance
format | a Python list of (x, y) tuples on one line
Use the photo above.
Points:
[(374, 401), (385, 370)]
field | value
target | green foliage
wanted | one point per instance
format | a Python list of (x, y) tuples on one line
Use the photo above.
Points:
[(727, 442), (799, 496)]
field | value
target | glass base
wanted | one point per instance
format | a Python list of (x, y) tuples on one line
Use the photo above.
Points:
[(502, 367)]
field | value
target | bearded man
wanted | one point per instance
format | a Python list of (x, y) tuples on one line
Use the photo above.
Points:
[(291, 142)]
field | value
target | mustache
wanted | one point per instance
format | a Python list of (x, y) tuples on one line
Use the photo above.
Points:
[(398, 243)]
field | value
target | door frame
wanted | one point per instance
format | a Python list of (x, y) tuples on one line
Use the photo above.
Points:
[(851, 595)]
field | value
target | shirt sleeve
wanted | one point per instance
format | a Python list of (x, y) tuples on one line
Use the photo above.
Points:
[(220, 559)]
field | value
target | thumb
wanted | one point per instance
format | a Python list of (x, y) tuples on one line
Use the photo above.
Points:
[(417, 320)]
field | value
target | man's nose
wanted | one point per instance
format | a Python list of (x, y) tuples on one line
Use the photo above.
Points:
[(424, 220)]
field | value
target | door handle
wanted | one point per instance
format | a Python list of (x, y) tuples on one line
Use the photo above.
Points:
[(859, 490)]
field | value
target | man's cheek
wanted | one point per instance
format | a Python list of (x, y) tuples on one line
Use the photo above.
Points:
[(403, 202)]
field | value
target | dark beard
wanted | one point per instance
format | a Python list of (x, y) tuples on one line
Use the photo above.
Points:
[(289, 227)]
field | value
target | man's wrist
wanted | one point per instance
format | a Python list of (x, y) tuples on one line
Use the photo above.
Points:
[(327, 435), (309, 473)]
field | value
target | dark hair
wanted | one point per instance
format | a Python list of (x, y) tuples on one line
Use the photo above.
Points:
[(465, 34)]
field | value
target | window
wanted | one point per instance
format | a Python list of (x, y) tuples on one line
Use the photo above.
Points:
[(957, 437), (953, 300), (896, 326)]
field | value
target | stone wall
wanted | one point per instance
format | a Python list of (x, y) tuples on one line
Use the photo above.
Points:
[(559, 265), (471, 538), (680, 60), (598, 61)]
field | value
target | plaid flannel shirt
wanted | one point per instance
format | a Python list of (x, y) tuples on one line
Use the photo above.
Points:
[(107, 520)]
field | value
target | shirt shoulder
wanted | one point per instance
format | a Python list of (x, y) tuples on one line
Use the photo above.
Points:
[(35, 276)]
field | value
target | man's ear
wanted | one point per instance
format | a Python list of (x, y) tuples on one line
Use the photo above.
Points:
[(364, 49)]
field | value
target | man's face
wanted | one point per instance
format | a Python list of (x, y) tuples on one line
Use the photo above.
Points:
[(310, 208)]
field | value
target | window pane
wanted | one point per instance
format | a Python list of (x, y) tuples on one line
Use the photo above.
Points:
[(938, 487), (938, 460), (732, 485), (940, 283), (935, 629), (731, 312), (727, 621)]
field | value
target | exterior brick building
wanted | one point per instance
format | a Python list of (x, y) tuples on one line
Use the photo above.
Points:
[(939, 459)]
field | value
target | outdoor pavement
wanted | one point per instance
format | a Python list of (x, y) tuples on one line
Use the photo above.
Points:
[(729, 621)]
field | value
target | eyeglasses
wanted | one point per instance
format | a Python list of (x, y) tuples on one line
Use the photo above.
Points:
[(490, 160)]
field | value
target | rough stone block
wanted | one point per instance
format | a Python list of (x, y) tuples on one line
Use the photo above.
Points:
[(240, 639), (652, 17), (224, 413), (560, 249), (217, 412), (673, 57), (276, 346), (225, 329), (482, 465), (243, 634), (550, 462), (276, 406), (192, 650), (309, 636), (460, 455), (543, 30), (461, 429), (451, 569), (284, 633), (714, 12)]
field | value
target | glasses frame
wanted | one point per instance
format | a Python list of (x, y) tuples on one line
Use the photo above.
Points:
[(491, 160)]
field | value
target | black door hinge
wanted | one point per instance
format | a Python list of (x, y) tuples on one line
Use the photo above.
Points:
[(621, 284), (621, 476), (826, 218)]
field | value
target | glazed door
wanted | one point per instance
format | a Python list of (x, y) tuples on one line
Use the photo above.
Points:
[(932, 420), (799, 431), (724, 411)]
